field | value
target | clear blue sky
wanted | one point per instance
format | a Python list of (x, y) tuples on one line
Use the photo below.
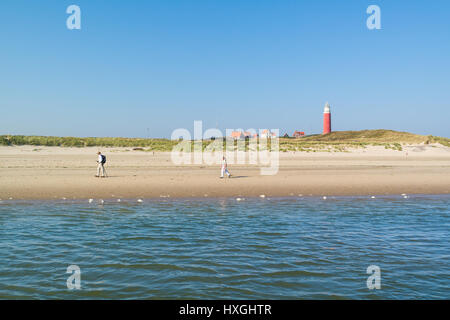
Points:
[(145, 68)]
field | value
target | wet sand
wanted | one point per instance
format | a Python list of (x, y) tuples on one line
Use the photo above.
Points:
[(28, 172)]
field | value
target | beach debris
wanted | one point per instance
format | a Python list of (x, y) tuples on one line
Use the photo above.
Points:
[(403, 194), (324, 198), (405, 197), (91, 200), (140, 200), (262, 196), (239, 199), (101, 201), (300, 195), (63, 198), (164, 196), (372, 197), (10, 198), (118, 200)]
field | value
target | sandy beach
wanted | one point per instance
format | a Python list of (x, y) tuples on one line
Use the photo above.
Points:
[(28, 172)]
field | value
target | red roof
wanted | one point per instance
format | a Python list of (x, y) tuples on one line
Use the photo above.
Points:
[(236, 134)]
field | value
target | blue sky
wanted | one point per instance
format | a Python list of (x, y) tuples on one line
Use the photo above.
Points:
[(145, 68)]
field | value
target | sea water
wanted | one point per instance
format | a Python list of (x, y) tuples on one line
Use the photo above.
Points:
[(290, 248)]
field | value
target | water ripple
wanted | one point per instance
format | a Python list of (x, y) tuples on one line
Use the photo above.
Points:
[(218, 248)]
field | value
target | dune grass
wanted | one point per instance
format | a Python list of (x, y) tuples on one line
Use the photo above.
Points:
[(339, 141), (441, 140), (154, 144)]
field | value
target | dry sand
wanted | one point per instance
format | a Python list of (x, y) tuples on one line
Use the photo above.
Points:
[(28, 172)]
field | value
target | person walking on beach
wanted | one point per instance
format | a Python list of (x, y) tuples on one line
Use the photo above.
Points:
[(101, 165), (224, 168)]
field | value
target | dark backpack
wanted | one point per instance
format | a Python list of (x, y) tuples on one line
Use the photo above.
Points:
[(103, 159)]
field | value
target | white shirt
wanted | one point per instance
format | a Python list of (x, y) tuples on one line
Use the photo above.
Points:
[(99, 158), (224, 163)]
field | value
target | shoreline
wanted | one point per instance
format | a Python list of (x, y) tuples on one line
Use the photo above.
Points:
[(139, 201), (54, 173), (329, 196)]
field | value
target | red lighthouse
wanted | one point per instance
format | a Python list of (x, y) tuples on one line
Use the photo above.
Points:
[(326, 119)]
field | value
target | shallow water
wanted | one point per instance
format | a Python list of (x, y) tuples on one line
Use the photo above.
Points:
[(296, 248)]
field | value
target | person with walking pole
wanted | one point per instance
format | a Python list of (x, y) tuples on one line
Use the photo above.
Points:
[(224, 168), (101, 166)]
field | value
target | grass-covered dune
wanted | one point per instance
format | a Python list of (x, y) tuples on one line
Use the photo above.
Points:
[(335, 141), (370, 136), (17, 140), (342, 140)]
